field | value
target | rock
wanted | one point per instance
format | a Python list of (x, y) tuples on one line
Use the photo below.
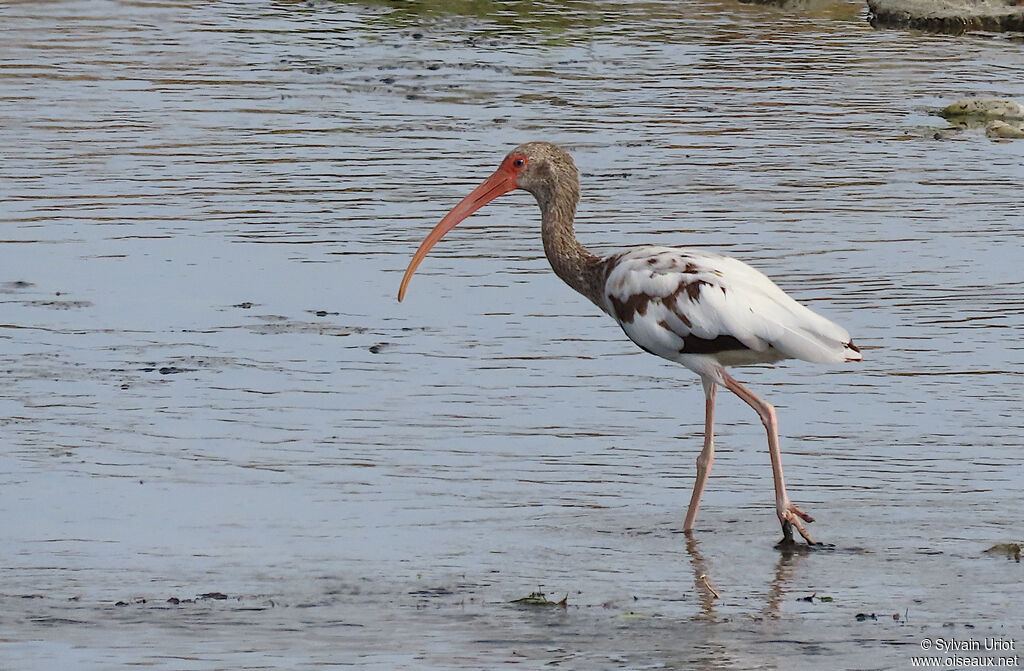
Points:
[(1011, 550), (985, 108), (1003, 129), (1001, 118), (948, 16)]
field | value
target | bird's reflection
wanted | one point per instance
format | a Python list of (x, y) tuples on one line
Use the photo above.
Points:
[(791, 557), (701, 581)]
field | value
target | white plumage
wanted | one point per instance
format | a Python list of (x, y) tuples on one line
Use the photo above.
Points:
[(664, 297)]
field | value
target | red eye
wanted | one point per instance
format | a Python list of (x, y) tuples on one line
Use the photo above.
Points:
[(518, 163)]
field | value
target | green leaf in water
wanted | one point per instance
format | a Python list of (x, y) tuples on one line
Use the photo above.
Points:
[(1011, 550)]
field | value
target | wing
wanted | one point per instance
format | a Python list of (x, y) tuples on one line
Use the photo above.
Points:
[(689, 301)]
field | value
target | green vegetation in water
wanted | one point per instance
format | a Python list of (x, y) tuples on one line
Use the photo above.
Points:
[(1001, 118), (538, 599), (984, 108), (1005, 129), (1011, 550)]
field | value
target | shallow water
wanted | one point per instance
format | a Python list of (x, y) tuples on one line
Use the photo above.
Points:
[(210, 389)]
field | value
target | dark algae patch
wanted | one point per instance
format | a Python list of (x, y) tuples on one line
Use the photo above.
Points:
[(1010, 550), (538, 599)]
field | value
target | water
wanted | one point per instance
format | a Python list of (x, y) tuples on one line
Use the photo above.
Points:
[(209, 387)]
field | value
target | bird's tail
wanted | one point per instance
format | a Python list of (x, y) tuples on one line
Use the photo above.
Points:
[(852, 352)]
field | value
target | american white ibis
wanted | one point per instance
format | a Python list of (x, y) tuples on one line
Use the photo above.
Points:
[(691, 306)]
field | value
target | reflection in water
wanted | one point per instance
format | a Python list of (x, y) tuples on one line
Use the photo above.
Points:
[(789, 560), (785, 568), (705, 594)]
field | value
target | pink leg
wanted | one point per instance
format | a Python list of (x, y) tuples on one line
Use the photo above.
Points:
[(789, 514), (707, 455)]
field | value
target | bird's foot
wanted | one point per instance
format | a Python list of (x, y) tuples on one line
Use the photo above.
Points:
[(790, 516)]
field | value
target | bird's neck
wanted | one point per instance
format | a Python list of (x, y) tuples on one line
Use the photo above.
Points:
[(570, 260)]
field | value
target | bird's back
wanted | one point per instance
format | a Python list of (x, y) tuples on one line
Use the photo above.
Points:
[(688, 304)]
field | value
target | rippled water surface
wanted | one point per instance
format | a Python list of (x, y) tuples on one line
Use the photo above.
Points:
[(210, 389)]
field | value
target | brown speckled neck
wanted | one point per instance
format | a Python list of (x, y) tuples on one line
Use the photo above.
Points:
[(570, 260), (554, 182)]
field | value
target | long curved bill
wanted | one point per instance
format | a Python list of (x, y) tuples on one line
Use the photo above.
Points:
[(502, 181)]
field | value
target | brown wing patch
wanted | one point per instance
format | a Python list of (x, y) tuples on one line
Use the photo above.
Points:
[(626, 311), (691, 288), (694, 345)]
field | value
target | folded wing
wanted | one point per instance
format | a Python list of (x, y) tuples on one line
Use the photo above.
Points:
[(686, 301)]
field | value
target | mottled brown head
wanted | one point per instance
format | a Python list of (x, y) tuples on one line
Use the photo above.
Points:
[(541, 168)]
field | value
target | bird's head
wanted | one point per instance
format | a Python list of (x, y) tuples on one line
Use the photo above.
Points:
[(537, 167), (541, 167)]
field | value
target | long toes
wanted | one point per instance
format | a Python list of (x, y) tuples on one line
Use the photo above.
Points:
[(806, 535), (801, 514), (791, 518)]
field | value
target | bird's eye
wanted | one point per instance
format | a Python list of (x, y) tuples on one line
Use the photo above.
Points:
[(518, 162)]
